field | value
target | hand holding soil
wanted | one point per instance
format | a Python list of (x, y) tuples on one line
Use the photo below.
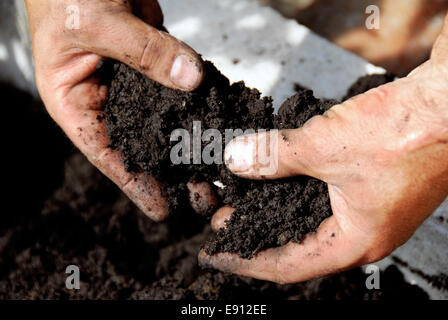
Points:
[(66, 59), (382, 153), (384, 156)]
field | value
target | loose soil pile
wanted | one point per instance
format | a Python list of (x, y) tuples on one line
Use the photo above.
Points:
[(64, 212), (141, 116)]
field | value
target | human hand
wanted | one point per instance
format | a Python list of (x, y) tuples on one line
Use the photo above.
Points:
[(384, 156), (66, 62)]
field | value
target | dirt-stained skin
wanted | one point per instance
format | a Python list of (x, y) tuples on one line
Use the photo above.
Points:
[(66, 62)]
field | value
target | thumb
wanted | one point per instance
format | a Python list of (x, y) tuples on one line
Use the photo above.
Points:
[(274, 155), (124, 37)]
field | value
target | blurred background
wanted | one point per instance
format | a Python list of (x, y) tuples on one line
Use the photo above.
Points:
[(408, 27)]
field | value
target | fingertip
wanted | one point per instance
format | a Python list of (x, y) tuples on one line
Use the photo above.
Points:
[(187, 72), (239, 154), (202, 198), (220, 218), (147, 194), (159, 215)]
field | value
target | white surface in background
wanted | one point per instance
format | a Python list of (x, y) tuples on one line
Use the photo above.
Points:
[(272, 53), (275, 53)]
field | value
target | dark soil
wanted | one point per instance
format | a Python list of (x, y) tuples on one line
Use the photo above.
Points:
[(141, 115), (63, 211)]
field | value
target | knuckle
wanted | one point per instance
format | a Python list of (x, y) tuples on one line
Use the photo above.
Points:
[(375, 97), (379, 95), (315, 142), (150, 54)]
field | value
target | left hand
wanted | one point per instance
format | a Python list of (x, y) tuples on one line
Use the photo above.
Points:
[(66, 62)]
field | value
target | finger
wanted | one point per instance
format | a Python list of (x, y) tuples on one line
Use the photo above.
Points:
[(79, 116), (149, 11), (221, 217), (273, 155), (328, 251), (202, 198), (155, 53)]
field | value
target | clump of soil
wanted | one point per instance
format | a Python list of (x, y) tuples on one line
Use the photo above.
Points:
[(141, 116), (366, 83), (64, 212)]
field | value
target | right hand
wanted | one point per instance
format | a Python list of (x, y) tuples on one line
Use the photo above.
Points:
[(384, 157), (66, 60)]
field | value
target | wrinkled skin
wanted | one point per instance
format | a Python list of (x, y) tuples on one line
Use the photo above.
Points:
[(66, 60), (384, 155)]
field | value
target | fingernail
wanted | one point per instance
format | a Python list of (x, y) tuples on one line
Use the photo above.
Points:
[(240, 154), (185, 72)]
